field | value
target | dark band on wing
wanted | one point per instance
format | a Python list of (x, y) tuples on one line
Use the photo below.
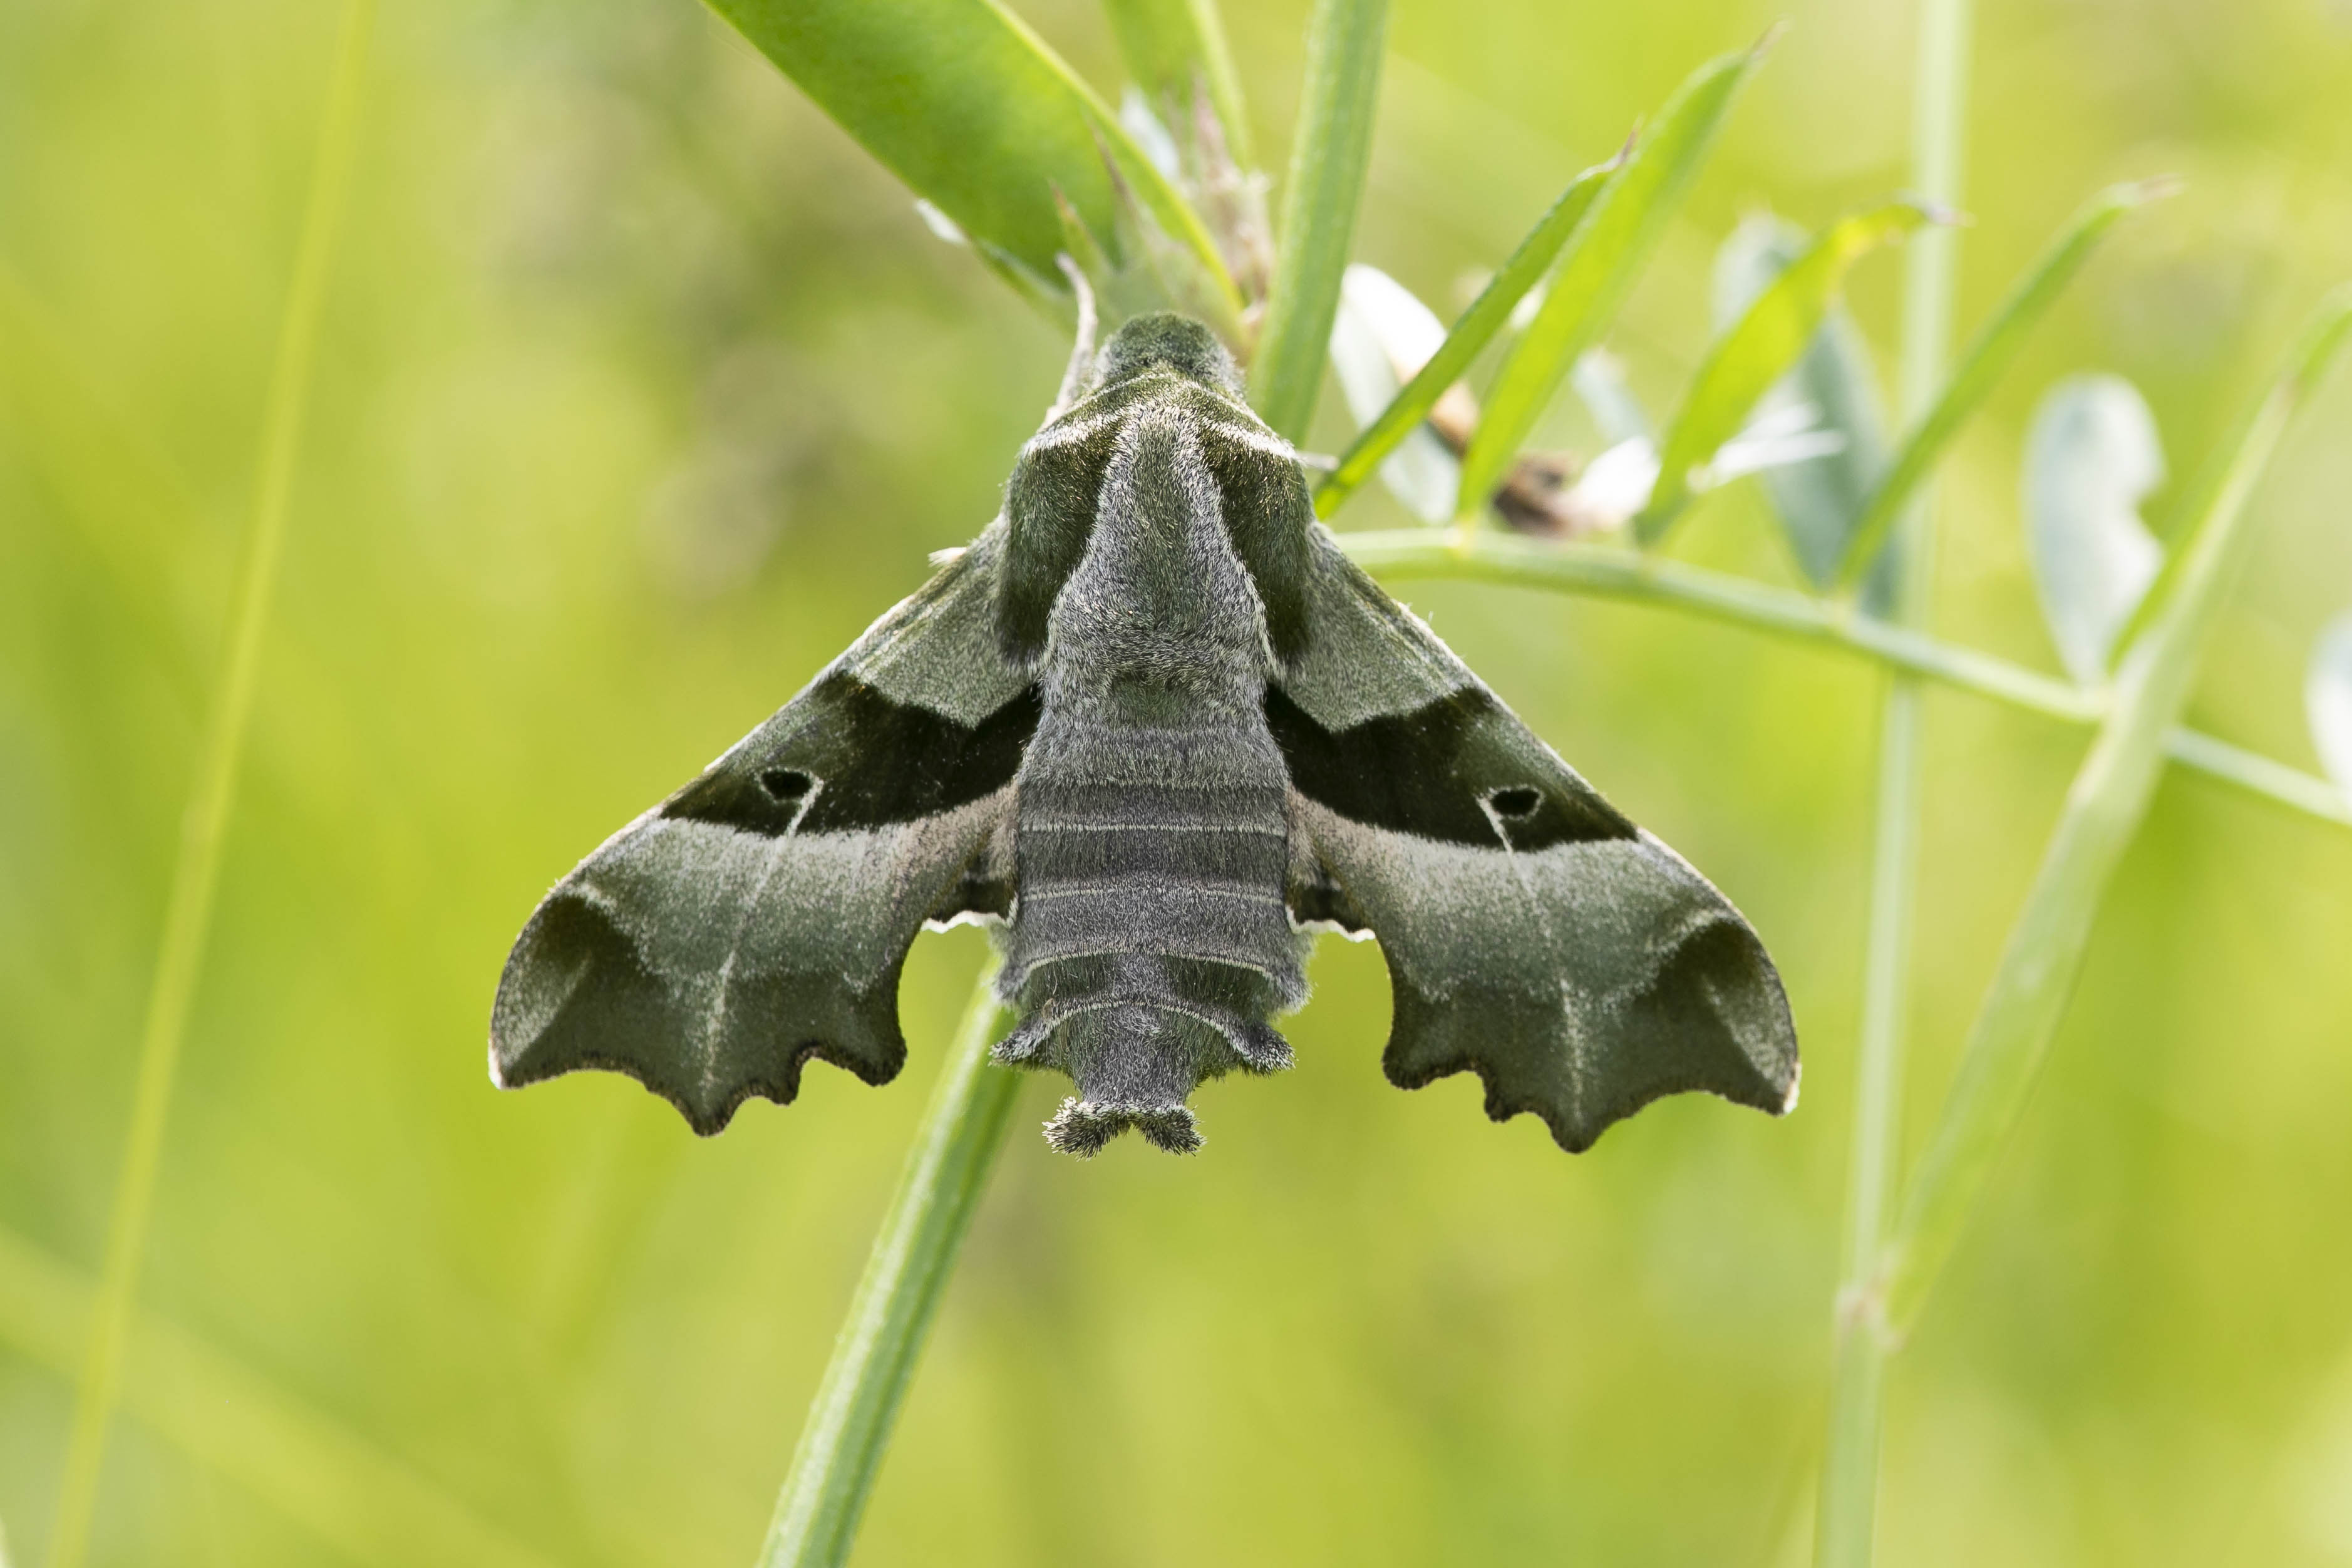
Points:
[(1435, 772), (1050, 504), (870, 762), (1268, 514)]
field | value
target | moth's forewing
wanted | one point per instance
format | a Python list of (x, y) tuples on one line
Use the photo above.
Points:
[(759, 918), (1534, 935)]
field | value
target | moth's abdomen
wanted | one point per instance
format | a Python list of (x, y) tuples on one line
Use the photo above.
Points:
[(1150, 942)]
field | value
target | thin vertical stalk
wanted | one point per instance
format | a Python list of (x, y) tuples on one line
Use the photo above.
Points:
[(850, 1421), (188, 913), (1845, 1529), (1329, 153)]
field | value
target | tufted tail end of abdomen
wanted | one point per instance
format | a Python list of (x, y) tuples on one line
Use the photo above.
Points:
[(1135, 1054)]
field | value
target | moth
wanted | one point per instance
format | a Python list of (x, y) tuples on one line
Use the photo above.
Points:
[(1156, 731)]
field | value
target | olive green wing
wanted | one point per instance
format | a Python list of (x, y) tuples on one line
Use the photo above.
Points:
[(1534, 935), (759, 917)]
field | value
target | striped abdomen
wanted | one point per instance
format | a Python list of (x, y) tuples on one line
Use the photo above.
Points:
[(1150, 942)]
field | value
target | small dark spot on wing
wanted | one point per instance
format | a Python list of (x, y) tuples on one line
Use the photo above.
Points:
[(1517, 801), (1432, 772), (784, 784)]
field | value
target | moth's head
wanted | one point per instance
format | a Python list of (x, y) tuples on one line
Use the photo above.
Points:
[(1164, 341)]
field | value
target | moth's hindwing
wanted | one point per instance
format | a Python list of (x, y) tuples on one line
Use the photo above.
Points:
[(759, 916), (1533, 935)]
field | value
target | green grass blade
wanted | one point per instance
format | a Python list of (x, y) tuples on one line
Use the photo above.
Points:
[(1332, 148), (1982, 363), (850, 1421), (366, 1505), (1177, 47), (975, 113), (195, 872), (1758, 351), (2028, 994), (1604, 256), (1472, 333)]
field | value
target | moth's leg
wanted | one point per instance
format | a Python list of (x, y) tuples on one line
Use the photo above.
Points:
[(1082, 352)]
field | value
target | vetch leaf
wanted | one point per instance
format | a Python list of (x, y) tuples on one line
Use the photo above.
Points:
[(1599, 382), (1758, 349), (1986, 358), (2327, 695), (1603, 255), (1820, 499), (1381, 337), (1476, 329), (1329, 154), (2092, 456), (973, 110), (1148, 133)]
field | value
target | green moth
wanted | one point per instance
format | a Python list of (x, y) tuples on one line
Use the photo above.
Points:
[(1155, 731)]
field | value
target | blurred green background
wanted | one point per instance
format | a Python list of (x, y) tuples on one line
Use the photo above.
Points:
[(641, 391)]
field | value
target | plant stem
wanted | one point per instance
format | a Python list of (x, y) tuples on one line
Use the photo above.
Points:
[(1329, 154), (850, 1420), (1846, 1525), (196, 872), (1610, 573), (2022, 1007)]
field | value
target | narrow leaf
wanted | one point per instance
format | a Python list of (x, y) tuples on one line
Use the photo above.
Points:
[(973, 110), (2023, 1005), (1476, 329), (2327, 694), (2090, 457), (1383, 334), (1176, 49), (1604, 256), (1746, 360), (1986, 358), (1820, 501), (1333, 146)]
